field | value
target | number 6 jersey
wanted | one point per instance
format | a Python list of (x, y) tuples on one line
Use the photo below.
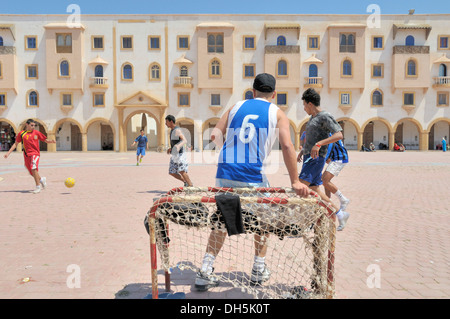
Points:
[(250, 135)]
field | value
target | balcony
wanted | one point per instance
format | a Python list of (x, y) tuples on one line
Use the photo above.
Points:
[(411, 49), (441, 81), (7, 50), (351, 48), (282, 49), (183, 82), (313, 82), (99, 83)]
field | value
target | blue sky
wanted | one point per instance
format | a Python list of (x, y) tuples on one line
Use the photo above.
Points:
[(224, 6)]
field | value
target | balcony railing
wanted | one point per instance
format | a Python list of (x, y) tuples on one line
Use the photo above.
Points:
[(315, 82), (441, 81), (7, 50), (347, 48), (183, 81), (411, 49), (99, 82)]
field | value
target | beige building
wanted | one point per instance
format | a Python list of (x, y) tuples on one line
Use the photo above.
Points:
[(93, 85)]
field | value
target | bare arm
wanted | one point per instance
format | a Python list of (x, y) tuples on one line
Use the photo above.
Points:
[(289, 154), (11, 149), (219, 130)]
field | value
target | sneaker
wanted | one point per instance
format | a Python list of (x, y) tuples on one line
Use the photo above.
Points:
[(140, 160), (258, 277), (37, 190), (186, 184), (204, 281), (44, 182), (137, 164), (342, 220), (344, 204)]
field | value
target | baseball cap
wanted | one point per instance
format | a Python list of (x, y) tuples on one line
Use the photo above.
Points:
[(264, 82)]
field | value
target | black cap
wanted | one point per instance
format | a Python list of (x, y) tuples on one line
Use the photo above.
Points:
[(264, 82)]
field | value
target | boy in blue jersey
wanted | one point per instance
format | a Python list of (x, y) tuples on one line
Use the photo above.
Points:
[(251, 128), (142, 143), (321, 129), (337, 158)]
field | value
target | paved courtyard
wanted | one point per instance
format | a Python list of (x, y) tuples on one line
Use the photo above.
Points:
[(398, 229)]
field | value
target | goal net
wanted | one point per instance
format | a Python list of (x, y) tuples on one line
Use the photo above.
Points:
[(299, 233)]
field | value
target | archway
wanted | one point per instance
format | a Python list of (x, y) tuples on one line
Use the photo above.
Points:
[(7, 134), (439, 129), (100, 135), (188, 128), (142, 120), (208, 125), (407, 132), (68, 135), (350, 133)]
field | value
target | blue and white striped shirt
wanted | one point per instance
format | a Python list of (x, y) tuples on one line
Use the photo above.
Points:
[(337, 152)]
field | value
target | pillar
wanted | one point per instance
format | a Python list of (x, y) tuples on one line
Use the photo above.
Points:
[(162, 128), (391, 140), (84, 142), (360, 139), (122, 142), (423, 141), (51, 147)]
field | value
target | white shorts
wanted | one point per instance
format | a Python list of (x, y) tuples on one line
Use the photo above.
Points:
[(335, 167)]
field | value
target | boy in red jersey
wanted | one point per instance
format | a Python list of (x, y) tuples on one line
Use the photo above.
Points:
[(30, 141)]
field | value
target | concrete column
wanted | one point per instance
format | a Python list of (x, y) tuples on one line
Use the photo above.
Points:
[(297, 141), (360, 139), (162, 128), (51, 147), (122, 142), (391, 140), (84, 146), (423, 141)]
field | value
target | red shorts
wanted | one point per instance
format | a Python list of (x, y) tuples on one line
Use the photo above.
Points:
[(31, 162)]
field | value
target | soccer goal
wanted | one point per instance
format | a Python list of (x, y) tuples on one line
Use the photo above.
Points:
[(299, 232)]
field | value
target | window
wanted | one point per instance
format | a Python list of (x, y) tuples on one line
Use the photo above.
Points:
[(281, 98), (345, 98), (443, 42), (442, 70), (184, 71), (66, 99), (282, 68), (31, 71), (215, 68), (97, 42), (33, 98), (2, 99), (63, 43), (281, 40), (249, 42), (347, 42), (411, 68), (183, 99), (313, 72), (215, 42), (98, 99), (31, 42), (98, 71), (183, 42), (442, 98), (248, 95), (154, 42), (249, 70), (155, 71), (64, 70), (377, 98), (347, 68), (313, 42), (409, 40), (408, 98), (127, 72), (377, 42), (215, 99), (126, 42), (377, 70)]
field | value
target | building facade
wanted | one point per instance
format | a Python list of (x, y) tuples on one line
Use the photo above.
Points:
[(92, 85)]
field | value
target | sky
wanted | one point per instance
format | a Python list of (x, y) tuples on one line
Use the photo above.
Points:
[(224, 6)]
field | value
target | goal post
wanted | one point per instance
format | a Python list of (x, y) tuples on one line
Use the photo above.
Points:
[(299, 232)]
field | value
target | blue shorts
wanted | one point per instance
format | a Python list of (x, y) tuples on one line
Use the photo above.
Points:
[(312, 170), (140, 151)]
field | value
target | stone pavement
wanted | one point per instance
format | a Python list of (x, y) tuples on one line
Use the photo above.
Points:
[(398, 231)]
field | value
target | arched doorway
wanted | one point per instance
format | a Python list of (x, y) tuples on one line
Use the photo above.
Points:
[(7, 136), (408, 133), (206, 134), (188, 128), (68, 136), (439, 130), (145, 121), (350, 134), (100, 136)]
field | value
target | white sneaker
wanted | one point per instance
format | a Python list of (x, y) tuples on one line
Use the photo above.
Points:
[(344, 204), (37, 190), (44, 182), (342, 218), (258, 277)]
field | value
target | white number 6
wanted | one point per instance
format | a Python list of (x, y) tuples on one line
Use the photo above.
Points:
[(251, 129)]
